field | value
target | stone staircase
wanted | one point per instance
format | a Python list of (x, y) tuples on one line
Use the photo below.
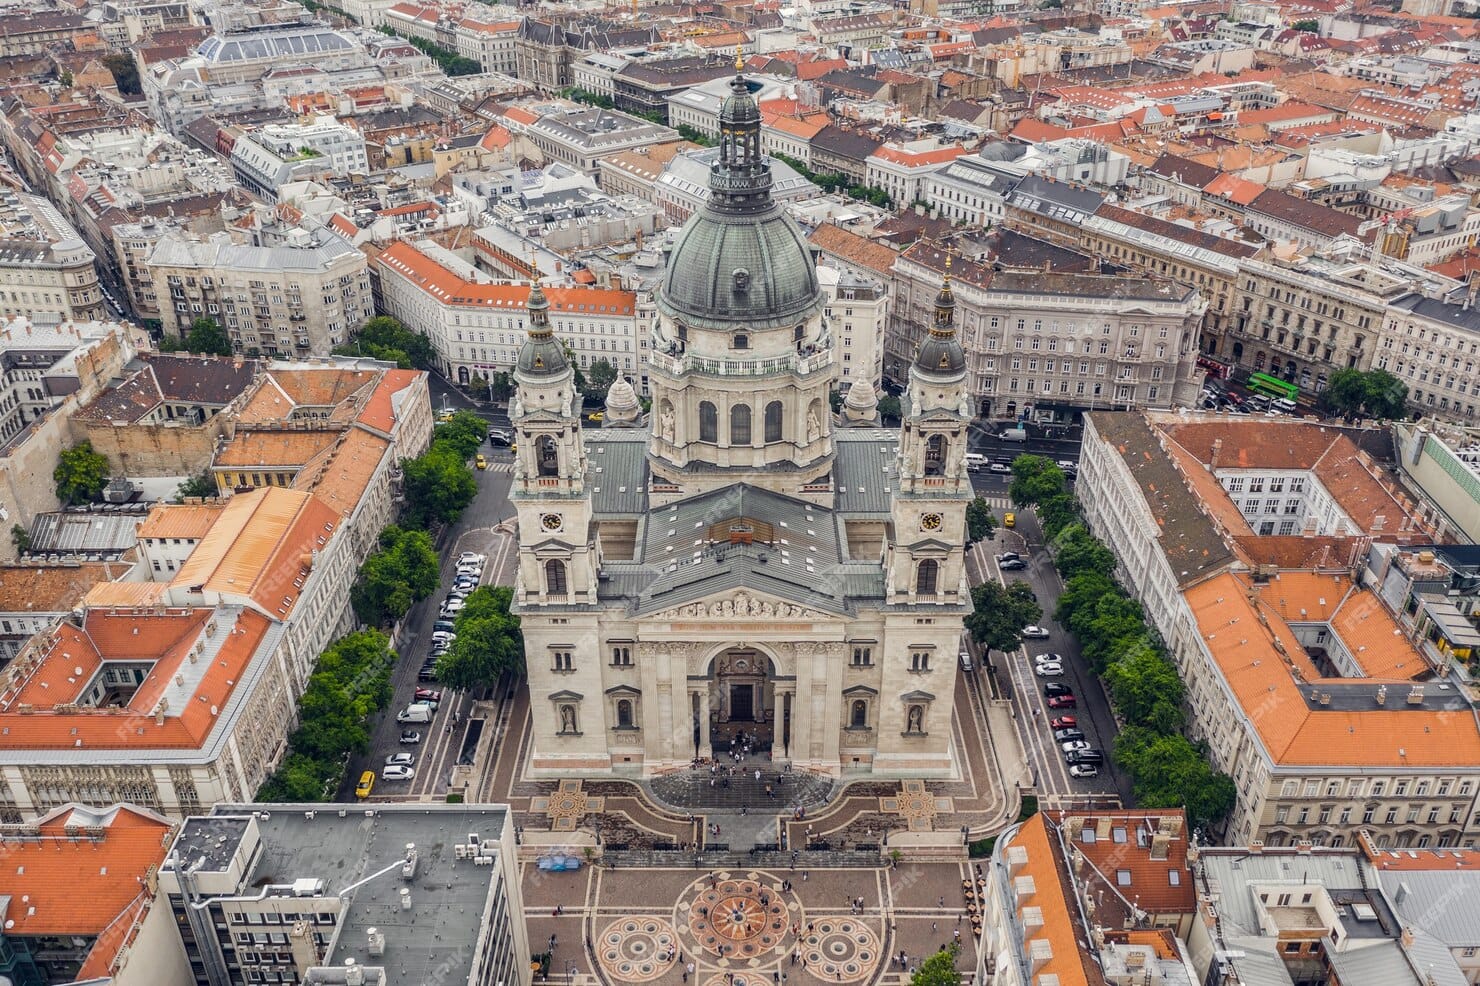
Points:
[(711, 859)]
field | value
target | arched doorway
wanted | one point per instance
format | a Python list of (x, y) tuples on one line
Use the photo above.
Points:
[(742, 706)]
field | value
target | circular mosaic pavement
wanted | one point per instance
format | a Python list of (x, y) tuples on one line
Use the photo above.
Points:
[(739, 918), (841, 950), (637, 949)]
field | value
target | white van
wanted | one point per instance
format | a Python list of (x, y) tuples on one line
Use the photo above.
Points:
[(975, 462), (416, 712), (1284, 405)]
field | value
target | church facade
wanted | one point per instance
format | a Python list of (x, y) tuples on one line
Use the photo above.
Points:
[(741, 561)]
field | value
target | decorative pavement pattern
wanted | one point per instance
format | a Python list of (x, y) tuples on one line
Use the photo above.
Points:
[(637, 949), (566, 806), (841, 949), (916, 806), (739, 921)]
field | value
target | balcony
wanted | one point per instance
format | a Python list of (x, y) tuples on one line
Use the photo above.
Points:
[(797, 363)]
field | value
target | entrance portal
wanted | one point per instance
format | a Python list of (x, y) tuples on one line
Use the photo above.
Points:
[(741, 709)]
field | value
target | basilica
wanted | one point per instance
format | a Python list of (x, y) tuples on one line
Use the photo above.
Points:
[(741, 561)]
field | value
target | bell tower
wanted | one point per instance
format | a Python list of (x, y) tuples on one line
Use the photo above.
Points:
[(927, 561), (556, 556)]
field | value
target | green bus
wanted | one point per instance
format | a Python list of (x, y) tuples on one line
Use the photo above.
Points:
[(1263, 383)]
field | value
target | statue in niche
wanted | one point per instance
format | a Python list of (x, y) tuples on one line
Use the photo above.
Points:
[(917, 720)]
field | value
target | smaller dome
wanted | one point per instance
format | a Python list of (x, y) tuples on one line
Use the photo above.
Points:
[(940, 354), (622, 405), (861, 396), (542, 355)]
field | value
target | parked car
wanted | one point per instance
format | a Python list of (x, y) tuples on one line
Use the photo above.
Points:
[(1013, 565), (471, 558), (999, 467), (1064, 722), (428, 672), (975, 461), (410, 737), (500, 437), (401, 760), (1066, 701), (366, 785), (397, 773), (1052, 669), (428, 695), (1067, 735), (1009, 556), (1056, 688), (415, 712), (1047, 659), (1085, 757), (452, 606), (442, 625), (1068, 465), (439, 636), (966, 662), (1074, 746), (1082, 770), (1034, 633)]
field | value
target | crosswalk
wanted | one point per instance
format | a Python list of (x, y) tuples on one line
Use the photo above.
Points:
[(501, 467), (998, 502)]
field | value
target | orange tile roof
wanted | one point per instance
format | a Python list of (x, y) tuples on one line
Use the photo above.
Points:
[(272, 449), (260, 547), (1238, 190), (63, 885), (1298, 733), (1293, 110), (804, 128), (450, 289), (917, 159), (1059, 924), (339, 480), (379, 411), (128, 635), (520, 115), (853, 248), (51, 588), (180, 520), (1149, 883), (126, 595)]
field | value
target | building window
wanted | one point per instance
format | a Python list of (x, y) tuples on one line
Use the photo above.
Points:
[(740, 424), (555, 583), (920, 660), (927, 574), (773, 421), (708, 422), (622, 657), (863, 657), (624, 714), (563, 661), (858, 716)]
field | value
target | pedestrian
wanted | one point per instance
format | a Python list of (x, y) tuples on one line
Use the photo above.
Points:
[(689, 968), (933, 927), (685, 976), (804, 876), (776, 976), (757, 774), (942, 902), (957, 933)]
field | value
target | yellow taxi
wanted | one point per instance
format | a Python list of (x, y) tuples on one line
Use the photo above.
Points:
[(1009, 519), (445, 414), (366, 785), (596, 416), (480, 462)]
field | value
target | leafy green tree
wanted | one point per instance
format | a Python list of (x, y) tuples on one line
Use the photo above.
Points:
[(599, 380), (21, 538), (489, 642), (1308, 26), (1105, 633), (1034, 480), (1076, 550), (1145, 688), (1082, 592), (201, 486), (464, 434), (300, 778), (386, 338), (501, 386), (1057, 512), (207, 338), (125, 74), (438, 485), (402, 572), (1168, 771), (1365, 393), (889, 409), (939, 969), (171, 344), (1000, 614), (80, 474), (980, 523)]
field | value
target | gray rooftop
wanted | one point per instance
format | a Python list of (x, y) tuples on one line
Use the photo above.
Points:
[(1459, 316), (430, 942)]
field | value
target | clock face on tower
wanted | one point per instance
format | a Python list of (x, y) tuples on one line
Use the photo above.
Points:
[(931, 522), (550, 522)]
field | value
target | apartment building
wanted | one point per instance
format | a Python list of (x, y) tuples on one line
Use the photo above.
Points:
[(1050, 345), (35, 596), (490, 44), (280, 153), (1433, 345), (901, 169), (316, 893), (581, 136), (1442, 462), (1089, 898), (286, 291), (477, 326), (857, 309), (45, 267), (1243, 540)]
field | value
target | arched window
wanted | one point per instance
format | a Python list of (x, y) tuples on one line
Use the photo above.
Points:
[(547, 462), (926, 577), (555, 583), (740, 424), (624, 713), (858, 718), (773, 421), (936, 448), (708, 422)]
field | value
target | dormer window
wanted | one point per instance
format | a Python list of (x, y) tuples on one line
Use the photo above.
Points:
[(741, 341)]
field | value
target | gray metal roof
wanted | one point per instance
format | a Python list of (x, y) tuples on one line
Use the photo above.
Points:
[(864, 470), (616, 471), (1415, 892)]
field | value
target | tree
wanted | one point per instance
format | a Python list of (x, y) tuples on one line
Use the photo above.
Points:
[(1168, 771), (464, 434), (939, 969), (201, 486), (599, 380), (1082, 592), (171, 344), (21, 538), (207, 338), (1308, 26), (1365, 393), (402, 572), (1001, 612), (80, 474), (1034, 480), (1057, 512), (489, 642), (438, 486), (386, 338), (1145, 688), (979, 521), (125, 74), (1076, 550), (889, 409), (501, 386)]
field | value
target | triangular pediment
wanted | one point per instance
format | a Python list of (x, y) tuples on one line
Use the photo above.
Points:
[(744, 604)]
